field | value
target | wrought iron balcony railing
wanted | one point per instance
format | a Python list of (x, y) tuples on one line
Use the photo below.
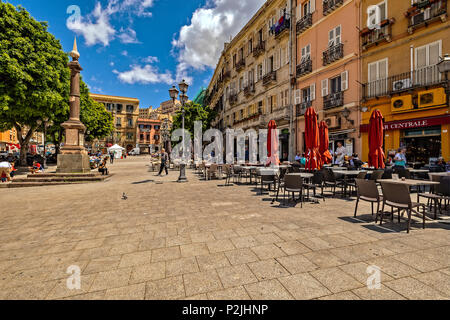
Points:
[(333, 100), (233, 98), (424, 77), (301, 108), (240, 64), (269, 78), (304, 67), (284, 26), (304, 23), (249, 89), (425, 12), (372, 37), (331, 5), (333, 54), (259, 49)]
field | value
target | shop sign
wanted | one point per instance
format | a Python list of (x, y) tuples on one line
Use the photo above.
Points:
[(411, 124)]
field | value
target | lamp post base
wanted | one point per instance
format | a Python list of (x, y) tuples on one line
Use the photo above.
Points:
[(182, 177)]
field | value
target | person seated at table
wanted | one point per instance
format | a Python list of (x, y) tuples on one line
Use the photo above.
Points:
[(346, 163), (102, 168), (297, 157), (355, 161), (441, 164), (303, 160), (35, 168)]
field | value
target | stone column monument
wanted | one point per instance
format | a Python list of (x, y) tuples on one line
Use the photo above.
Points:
[(73, 157)]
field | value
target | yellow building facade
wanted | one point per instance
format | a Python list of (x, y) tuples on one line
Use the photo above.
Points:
[(126, 113), (399, 58)]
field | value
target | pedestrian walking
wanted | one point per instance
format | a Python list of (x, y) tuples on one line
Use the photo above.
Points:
[(111, 157), (164, 161)]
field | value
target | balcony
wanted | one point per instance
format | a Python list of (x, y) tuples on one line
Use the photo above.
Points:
[(233, 98), (304, 67), (426, 12), (333, 53), (240, 65), (249, 89), (424, 77), (301, 108), (304, 23), (333, 100), (372, 37), (259, 49), (269, 78), (282, 28), (331, 5)]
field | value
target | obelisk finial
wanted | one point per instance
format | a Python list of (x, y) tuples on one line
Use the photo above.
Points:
[(74, 53)]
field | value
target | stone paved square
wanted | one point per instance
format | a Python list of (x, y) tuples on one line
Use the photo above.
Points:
[(201, 240)]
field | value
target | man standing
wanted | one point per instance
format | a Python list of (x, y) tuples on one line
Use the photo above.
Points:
[(111, 157), (164, 160), (340, 153)]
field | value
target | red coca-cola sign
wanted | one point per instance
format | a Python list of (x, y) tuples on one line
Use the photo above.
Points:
[(412, 123)]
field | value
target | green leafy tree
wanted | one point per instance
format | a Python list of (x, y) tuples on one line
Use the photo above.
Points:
[(194, 112), (35, 81)]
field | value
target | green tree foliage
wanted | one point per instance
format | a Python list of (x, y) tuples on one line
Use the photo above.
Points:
[(35, 80), (194, 112)]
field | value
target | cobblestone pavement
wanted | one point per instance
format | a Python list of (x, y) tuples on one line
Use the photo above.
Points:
[(203, 240)]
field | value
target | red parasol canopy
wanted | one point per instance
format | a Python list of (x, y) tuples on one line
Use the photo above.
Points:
[(376, 134), (272, 144), (324, 143), (313, 158)]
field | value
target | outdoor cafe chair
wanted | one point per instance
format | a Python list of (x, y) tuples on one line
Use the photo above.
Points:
[(331, 181), (376, 175), (237, 170), (397, 196), (316, 182), (438, 193), (228, 173), (280, 181), (294, 183), (367, 190), (352, 184), (267, 180), (213, 171)]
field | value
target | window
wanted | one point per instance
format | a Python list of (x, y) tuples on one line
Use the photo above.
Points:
[(234, 60), (118, 121), (130, 136), (119, 107), (306, 53), (260, 72), (428, 55), (309, 93), (377, 71), (334, 36), (130, 108), (130, 122), (250, 46), (286, 97)]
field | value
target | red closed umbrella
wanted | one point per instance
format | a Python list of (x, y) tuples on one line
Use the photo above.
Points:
[(324, 143), (313, 157), (376, 134), (272, 144)]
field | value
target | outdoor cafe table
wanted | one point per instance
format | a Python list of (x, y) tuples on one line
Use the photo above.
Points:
[(347, 174), (338, 168), (411, 183), (303, 175), (442, 174)]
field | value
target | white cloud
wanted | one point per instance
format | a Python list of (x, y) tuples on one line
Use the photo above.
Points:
[(96, 27), (128, 35), (200, 43), (144, 75), (150, 59), (124, 53)]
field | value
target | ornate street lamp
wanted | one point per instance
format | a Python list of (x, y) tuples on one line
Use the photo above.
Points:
[(173, 92)]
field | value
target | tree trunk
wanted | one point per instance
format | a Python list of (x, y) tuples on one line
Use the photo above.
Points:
[(24, 142)]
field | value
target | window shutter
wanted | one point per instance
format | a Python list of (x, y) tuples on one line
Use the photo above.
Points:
[(344, 80), (312, 4), (312, 94), (324, 87), (264, 67), (297, 97), (421, 57), (280, 55), (434, 53), (337, 35), (275, 60), (383, 69)]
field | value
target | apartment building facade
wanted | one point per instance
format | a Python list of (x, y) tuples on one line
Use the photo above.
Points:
[(169, 106), (148, 134), (401, 79), (251, 83), (8, 140), (125, 112), (327, 69)]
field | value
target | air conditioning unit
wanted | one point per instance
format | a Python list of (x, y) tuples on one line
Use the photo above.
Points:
[(432, 98), (401, 104), (401, 84), (332, 122)]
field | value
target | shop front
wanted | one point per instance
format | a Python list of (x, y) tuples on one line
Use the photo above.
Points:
[(425, 139)]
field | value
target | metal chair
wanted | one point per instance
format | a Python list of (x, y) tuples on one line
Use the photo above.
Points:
[(267, 179), (280, 181), (397, 196), (438, 193), (331, 181), (367, 190), (317, 181), (293, 183), (376, 175)]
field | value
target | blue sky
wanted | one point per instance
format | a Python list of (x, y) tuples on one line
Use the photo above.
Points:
[(139, 48)]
